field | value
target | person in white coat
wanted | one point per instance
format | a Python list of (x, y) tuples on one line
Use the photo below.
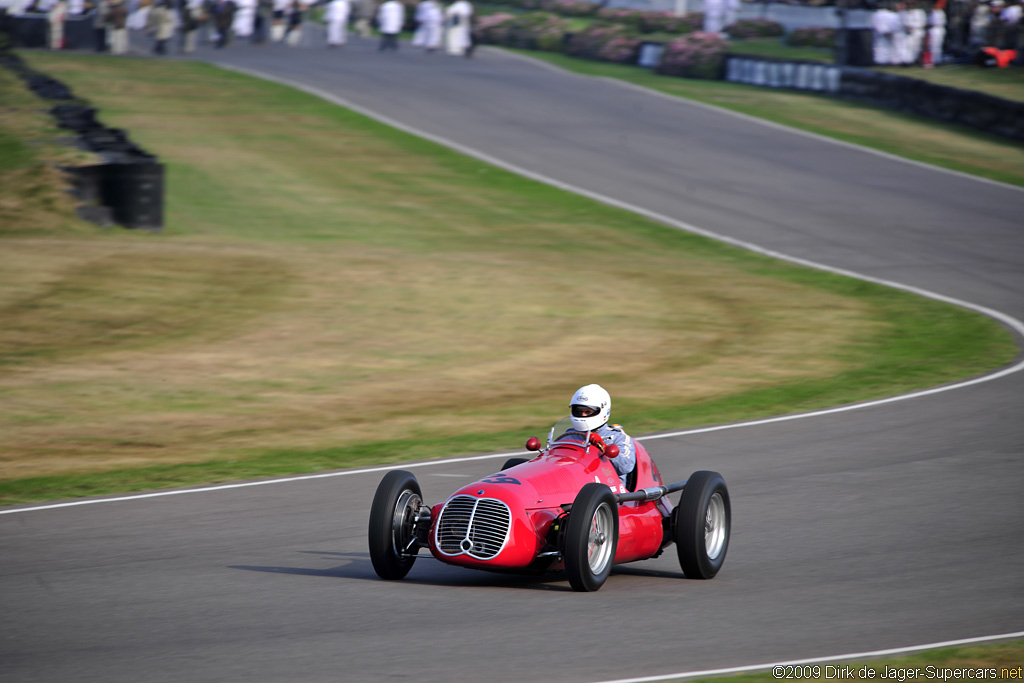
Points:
[(885, 23), (429, 22), (56, 16), (914, 21), (714, 16), (458, 18), (390, 19), (936, 32), (336, 17), (245, 18)]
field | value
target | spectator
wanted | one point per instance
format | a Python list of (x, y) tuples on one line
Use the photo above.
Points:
[(192, 18), (280, 20), (55, 17), (364, 11), (264, 17), (245, 18), (458, 18), (914, 22), (981, 19), (336, 17), (936, 32), (160, 23), (117, 21), (429, 22), (885, 23), (99, 25), (714, 16), (293, 34), (958, 14), (390, 19), (1009, 20), (223, 17)]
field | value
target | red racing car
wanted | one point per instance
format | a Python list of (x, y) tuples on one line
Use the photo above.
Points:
[(566, 509)]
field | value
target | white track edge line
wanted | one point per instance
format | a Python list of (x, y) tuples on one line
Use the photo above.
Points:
[(822, 660), (1016, 325)]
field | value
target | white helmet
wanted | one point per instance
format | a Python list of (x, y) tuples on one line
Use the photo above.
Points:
[(590, 408)]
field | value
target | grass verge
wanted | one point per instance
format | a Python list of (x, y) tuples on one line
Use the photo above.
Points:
[(331, 293)]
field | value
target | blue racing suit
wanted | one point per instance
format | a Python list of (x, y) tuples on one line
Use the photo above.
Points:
[(626, 460)]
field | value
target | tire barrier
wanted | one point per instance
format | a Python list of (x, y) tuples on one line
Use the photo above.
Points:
[(980, 111), (127, 187), (814, 76)]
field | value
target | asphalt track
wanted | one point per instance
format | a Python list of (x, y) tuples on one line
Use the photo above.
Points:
[(890, 525)]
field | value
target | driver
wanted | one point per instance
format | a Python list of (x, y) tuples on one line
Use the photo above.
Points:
[(590, 409)]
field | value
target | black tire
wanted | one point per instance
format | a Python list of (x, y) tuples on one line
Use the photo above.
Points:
[(512, 462), (703, 523), (392, 524), (591, 537)]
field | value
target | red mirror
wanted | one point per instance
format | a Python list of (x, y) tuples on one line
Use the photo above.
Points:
[(611, 451), (533, 444)]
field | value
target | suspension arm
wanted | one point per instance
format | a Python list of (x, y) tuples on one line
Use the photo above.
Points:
[(651, 493)]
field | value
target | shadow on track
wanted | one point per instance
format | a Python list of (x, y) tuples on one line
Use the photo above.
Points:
[(433, 573)]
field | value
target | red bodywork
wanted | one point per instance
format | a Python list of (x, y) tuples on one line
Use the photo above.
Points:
[(537, 494)]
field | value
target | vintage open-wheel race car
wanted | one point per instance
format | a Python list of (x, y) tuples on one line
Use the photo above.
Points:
[(566, 509)]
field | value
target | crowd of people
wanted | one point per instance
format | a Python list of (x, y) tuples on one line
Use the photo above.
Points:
[(220, 22), (913, 32)]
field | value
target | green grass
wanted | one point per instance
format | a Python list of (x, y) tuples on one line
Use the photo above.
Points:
[(1005, 83), (957, 148), (775, 47), (332, 293), (977, 662)]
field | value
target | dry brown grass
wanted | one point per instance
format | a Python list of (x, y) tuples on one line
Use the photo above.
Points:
[(128, 354), (296, 301)]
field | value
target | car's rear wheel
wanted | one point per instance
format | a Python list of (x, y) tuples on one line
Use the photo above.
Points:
[(703, 522), (393, 540), (591, 537)]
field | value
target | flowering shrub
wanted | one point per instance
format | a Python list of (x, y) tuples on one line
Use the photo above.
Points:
[(695, 55), (812, 36), (589, 42), (653, 22), (617, 15), (622, 49), (493, 29), (666, 22), (755, 28), (531, 31), (572, 8)]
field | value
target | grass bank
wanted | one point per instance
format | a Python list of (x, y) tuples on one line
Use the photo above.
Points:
[(330, 292)]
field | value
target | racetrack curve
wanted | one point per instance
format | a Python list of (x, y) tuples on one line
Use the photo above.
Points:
[(894, 524)]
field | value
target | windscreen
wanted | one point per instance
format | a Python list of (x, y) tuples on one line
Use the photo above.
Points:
[(563, 434)]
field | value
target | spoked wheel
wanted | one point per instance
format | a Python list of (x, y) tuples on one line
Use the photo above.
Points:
[(591, 537), (703, 521), (512, 462), (393, 541)]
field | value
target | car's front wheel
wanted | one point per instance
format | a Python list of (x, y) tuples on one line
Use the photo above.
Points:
[(393, 540), (703, 522), (512, 462), (591, 537)]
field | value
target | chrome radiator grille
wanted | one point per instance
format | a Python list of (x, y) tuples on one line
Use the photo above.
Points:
[(477, 527)]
